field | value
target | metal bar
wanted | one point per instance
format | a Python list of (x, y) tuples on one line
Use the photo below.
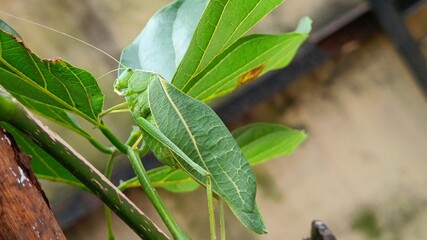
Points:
[(319, 231), (394, 24)]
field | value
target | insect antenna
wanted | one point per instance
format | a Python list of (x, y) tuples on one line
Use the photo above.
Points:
[(64, 34), (114, 70)]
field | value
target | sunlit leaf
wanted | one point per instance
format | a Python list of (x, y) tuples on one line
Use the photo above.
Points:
[(263, 141), (222, 23), (243, 62)]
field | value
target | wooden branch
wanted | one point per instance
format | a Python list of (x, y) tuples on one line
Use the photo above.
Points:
[(24, 209)]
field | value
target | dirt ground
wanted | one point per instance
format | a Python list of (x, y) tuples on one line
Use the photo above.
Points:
[(362, 169)]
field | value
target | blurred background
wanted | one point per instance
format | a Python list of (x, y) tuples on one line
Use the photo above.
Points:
[(356, 87)]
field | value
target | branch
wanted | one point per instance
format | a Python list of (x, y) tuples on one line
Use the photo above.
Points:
[(14, 113), (24, 211)]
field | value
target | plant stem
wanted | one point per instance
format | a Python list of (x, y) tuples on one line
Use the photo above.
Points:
[(118, 106), (221, 219), (109, 223), (211, 209), (113, 139), (154, 197), (134, 136), (108, 171), (151, 192), (98, 145), (13, 113)]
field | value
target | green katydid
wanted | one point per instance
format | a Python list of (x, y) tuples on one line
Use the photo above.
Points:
[(241, 195), (186, 133)]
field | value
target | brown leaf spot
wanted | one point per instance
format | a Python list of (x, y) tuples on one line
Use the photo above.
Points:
[(250, 75), (20, 41), (52, 61)]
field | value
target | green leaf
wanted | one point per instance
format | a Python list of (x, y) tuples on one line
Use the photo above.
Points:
[(171, 179), (244, 61), (54, 114), (43, 165), (251, 220), (51, 82), (163, 42), (222, 23), (5, 27), (304, 25), (196, 130), (262, 141)]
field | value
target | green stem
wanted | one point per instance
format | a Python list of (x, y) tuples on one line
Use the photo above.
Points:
[(98, 145), (109, 223), (154, 197), (134, 136), (211, 210), (118, 106), (113, 139), (108, 171), (13, 113), (125, 185), (221, 219), (141, 173)]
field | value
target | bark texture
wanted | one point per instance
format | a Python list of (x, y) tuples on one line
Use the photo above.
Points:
[(24, 209)]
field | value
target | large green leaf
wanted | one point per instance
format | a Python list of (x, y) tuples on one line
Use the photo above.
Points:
[(244, 61), (163, 42), (55, 114), (43, 165), (199, 133), (263, 141), (54, 83), (222, 23)]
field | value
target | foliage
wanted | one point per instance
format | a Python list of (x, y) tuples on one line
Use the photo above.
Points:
[(174, 65)]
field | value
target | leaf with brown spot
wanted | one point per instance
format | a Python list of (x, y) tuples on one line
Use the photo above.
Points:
[(243, 61), (250, 75)]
